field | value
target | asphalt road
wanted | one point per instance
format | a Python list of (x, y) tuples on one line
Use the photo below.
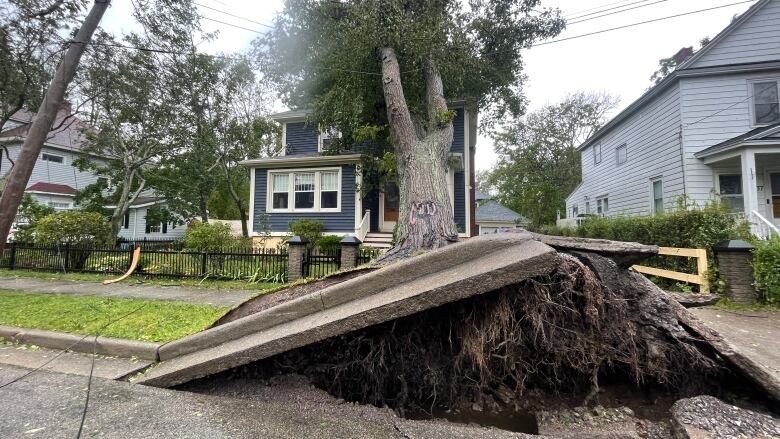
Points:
[(49, 405)]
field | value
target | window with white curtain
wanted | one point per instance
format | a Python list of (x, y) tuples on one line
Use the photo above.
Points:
[(280, 191), (766, 103), (304, 190), (329, 190)]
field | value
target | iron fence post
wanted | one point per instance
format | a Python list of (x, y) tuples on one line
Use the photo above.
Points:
[(12, 257), (203, 264), (67, 257)]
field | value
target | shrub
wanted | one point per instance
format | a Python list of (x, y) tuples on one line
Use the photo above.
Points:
[(329, 243), (766, 269), (32, 212), (692, 227), (74, 227), (311, 230), (209, 237)]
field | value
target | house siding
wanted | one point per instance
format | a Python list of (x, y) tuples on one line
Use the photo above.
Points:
[(300, 139), (714, 109), (652, 140), (137, 228), (753, 41), (460, 201), (334, 222), (50, 172)]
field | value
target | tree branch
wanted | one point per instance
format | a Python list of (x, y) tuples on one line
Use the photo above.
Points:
[(397, 108), (434, 91)]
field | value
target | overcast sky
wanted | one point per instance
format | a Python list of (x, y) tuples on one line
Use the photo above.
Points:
[(618, 62)]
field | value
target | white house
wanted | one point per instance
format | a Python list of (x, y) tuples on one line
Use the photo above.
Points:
[(136, 228), (54, 180), (711, 127)]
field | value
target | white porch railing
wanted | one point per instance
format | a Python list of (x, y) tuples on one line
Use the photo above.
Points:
[(362, 230), (762, 227)]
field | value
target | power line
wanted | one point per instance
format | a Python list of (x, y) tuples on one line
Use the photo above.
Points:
[(609, 9), (616, 12), (234, 15), (231, 24), (640, 23), (572, 14)]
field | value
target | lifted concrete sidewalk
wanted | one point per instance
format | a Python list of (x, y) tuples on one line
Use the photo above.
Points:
[(207, 296), (71, 363), (462, 270)]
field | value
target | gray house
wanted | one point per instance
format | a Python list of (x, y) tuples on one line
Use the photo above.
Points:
[(307, 182), (711, 127), (494, 217)]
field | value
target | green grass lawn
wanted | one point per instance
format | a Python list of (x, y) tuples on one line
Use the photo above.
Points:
[(148, 280), (157, 320)]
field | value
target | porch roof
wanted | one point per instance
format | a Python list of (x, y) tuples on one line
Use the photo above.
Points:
[(758, 136)]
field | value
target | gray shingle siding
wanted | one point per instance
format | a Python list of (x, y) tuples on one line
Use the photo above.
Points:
[(335, 222), (301, 139)]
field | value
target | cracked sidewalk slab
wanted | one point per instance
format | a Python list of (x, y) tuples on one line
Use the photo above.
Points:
[(456, 272)]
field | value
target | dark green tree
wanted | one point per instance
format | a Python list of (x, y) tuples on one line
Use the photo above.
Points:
[(391, 67), (539, 164)]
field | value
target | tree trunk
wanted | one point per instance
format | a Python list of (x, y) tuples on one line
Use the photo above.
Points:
[(204, 212), (33, 143), (426, 218), (239, 205), (124, 202)]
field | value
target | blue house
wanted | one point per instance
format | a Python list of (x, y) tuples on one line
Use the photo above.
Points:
[(305, 182)]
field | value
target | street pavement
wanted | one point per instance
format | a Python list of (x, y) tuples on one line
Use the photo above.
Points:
[(49, 405)]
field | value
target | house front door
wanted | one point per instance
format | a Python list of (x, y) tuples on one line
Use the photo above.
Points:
[(774, 179), (388, 204)]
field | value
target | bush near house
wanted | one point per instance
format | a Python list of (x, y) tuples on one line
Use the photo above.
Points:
[(685, 227), (766, 270), (82, 231), (209, 237), (311, 230)]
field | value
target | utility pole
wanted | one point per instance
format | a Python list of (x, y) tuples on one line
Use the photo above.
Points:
[(42, 124)]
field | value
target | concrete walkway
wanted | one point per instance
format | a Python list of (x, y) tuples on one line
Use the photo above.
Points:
[(756, 335), (50, 405), (210, 296)]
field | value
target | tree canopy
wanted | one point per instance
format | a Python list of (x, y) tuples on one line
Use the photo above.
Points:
[(539, 164)]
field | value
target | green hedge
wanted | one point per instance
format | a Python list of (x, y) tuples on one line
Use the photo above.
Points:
[(766, 269), (694, 227)]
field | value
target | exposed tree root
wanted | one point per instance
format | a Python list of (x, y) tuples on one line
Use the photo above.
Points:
[(555, 333)]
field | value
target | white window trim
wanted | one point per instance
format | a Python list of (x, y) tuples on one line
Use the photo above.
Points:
[(751, 82), (601, 199), (624, 147), (652, 195), (291, 190), (320, 140), (53, 155), (729, 173), (597, 158)]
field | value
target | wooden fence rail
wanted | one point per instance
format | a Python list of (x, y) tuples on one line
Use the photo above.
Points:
[(699, 278)]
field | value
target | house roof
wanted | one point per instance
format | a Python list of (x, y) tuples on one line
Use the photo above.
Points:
[(767, 133), (493, 211), (481, 196), (67, 133), (52, 188), (287, 161), (685, 69), (290, 115)]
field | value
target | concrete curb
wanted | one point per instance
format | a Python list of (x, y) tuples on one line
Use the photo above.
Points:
[(113, 347)]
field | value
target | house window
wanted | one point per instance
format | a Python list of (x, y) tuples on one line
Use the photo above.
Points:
[(326, 138), (587, 208), (658, 196), (153, 228), (59, 206), (574, 211), (280, 191), (597, 154), (329, 190), (766, 105), (602, 205), (304, 191), (731, 192), (309, 190), (126, 223), (52, 158), (621, 154)]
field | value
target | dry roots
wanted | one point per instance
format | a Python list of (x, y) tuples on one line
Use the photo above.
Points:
[(560, 332)]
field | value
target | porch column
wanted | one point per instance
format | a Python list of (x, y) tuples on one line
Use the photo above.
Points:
[(749, 190)]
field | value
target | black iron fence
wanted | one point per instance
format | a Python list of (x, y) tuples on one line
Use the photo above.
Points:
[(367, 254), (269, 265), (320, 263)]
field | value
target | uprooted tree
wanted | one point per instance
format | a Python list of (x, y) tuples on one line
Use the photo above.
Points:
[(383, 71)]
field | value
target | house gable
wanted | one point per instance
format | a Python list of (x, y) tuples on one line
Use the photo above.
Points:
[(754, 37)]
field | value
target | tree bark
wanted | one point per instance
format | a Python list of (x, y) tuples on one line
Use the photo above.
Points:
[(242, 214), (202, 207), (33, 143), (426, 218)]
